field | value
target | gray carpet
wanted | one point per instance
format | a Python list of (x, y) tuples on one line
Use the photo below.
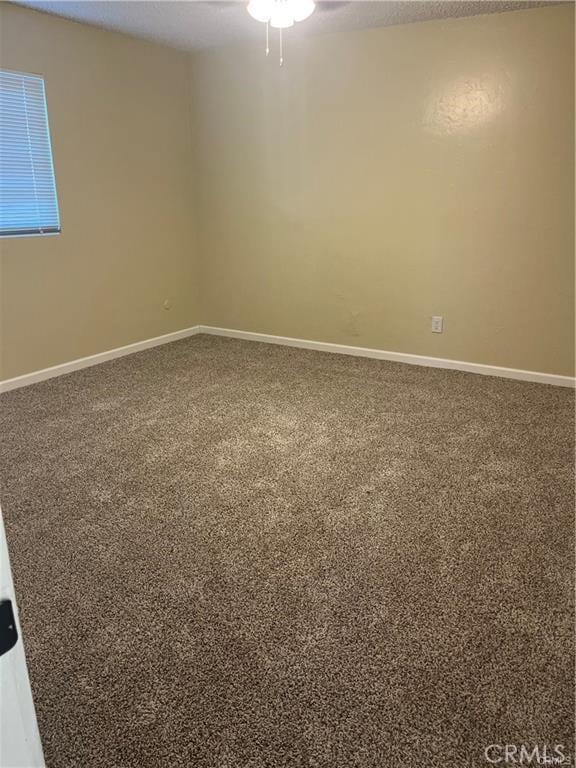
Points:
[(237, 555)]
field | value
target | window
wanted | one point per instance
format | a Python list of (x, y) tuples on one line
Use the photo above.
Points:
[(28, 201)]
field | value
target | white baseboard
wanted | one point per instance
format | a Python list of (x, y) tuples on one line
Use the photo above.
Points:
[(398, 357), (101, 357), (319, 346)]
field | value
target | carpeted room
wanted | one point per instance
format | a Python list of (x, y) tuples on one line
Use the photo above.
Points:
[(258, 513)]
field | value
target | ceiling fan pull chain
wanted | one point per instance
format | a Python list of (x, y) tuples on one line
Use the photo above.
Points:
[(281, 49), (267, 38)]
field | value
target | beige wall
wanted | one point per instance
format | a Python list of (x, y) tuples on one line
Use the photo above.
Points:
[(387, 175), (380, 177), (120, 122)]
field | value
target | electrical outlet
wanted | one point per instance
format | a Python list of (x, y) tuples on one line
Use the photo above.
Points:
[(437, 324)]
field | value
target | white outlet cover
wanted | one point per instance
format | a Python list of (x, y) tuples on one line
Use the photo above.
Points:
[(437, 324)]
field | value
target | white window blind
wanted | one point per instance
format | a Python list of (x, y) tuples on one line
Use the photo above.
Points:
[(28, 201)]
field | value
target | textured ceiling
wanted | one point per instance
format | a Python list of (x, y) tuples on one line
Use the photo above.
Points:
[(194, 24)]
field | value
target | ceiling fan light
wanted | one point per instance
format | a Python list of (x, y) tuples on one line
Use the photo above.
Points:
[(301, 9), (281, 17), (261, 10)]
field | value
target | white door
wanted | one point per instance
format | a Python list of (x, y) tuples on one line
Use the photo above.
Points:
[(20, 745)]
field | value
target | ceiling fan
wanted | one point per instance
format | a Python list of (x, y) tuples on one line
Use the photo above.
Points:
[(321, 5), (281, 14)]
